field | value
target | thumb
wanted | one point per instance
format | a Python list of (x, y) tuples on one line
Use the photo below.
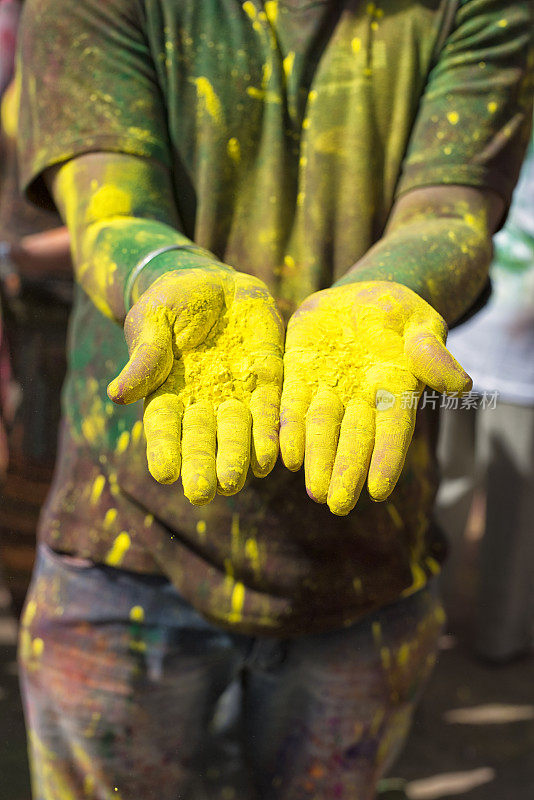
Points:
[(151, 359), (431, 362)]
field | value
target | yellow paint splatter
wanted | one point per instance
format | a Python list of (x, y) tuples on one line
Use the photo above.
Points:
[(137, 432), (38, 647), (138, 646), (137, 614), (9, 110), (419, 580), (502, 23), (149, 519), (120, 546), (453, 117), (257, 94), (440, 615), (206, 92), (403, 655), (110, 518), (288, 62), (234, 150), (234, 530), (289, 261), (492, 106), (201, 527), (356, 45), (433, 565), (250, 9), (252, 553), (238, 601), (109, 201), (113, 485), (271, 9), (98, 488), (29, 613), (123, 442)]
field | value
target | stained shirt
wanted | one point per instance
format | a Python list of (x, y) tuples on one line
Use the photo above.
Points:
[(289, 128)]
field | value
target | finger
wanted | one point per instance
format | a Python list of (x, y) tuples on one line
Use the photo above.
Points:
[(233, 446), (294, 405), (162, 421), (265, 410), (433, 364), (150, 362), (355, 446), (393, 432), (198, 453), (323, 422)]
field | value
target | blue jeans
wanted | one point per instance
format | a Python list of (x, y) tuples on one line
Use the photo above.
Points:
[(130, 694)]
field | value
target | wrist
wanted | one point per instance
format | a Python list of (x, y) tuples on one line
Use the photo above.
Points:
[(160, 262)]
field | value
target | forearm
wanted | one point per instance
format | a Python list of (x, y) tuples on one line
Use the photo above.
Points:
[(439, 245), (119, 209), (46, 253)]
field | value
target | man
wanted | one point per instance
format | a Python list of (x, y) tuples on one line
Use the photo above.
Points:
[(350, 163)]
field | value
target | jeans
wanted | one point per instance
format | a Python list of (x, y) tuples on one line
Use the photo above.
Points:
[(130, 694)]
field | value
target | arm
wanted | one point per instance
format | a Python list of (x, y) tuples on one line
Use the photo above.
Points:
[(118, 208), (344, 412), (45, 253), (379, 333), (205, 341), (437, 243)]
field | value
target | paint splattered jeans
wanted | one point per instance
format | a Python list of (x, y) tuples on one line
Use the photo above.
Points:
[(130, 694)]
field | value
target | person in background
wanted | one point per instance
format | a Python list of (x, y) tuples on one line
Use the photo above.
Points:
[(489, 446), (275, 209), (9, 15), (35, 292)]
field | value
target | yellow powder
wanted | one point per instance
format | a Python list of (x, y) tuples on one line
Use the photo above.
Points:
[(206, 92), (288, 62), (109, 519), (38, 647), (137, 614), (356, 354), (271, 9), (228, 365), (123, 442), (234, 149), (119, 549), (98, 488)]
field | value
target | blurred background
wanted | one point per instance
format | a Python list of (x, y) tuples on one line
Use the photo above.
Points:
[(473, 734)]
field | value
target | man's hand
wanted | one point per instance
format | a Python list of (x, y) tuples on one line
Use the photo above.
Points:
[(206, 352), (354, 353)]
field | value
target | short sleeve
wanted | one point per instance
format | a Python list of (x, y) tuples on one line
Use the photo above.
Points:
[(473, 123), (87, 83)]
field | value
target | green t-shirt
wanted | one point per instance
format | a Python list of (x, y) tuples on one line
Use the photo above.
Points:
[(289, 128)]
